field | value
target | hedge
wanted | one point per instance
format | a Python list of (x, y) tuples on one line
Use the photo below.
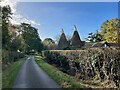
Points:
[(10, 56), (91, 64)]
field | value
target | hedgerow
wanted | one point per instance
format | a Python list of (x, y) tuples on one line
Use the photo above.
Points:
[(91, 64)]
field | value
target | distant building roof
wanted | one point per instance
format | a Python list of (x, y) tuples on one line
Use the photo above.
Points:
[(98, 44), (63, 43), (75, 41), (114, 44), (103, 43)]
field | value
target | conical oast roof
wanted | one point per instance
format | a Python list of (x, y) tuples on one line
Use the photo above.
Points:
[(63, 43), (75, 41)]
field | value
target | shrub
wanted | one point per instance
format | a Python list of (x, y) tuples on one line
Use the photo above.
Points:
[(89, 63), (10, 56)]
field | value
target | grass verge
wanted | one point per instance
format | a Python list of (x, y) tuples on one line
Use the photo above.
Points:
[(10, 73), (64, 80)]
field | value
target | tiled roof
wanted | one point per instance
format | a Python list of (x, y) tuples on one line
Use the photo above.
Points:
[(100, 44)]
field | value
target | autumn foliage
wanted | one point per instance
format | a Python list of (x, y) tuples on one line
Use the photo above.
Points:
[(110, 30)]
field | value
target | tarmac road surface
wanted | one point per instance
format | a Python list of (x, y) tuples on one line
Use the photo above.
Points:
[(31, 75)]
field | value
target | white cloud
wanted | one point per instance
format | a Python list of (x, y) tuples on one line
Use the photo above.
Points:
[(33, 22), (16, 18), (30, 21)]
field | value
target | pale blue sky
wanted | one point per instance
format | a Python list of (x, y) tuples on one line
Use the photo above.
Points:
[(87, 16), (69, 1)]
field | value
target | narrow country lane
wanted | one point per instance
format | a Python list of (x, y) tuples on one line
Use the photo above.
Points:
[(32, 76)]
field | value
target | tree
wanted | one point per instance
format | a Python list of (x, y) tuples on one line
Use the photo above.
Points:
[(49, 44), (31, 37), (6, 14), (15, 44), (18, 44), (98, 37), (109, 30), (94, 37), (91, 37), (103, 28)]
